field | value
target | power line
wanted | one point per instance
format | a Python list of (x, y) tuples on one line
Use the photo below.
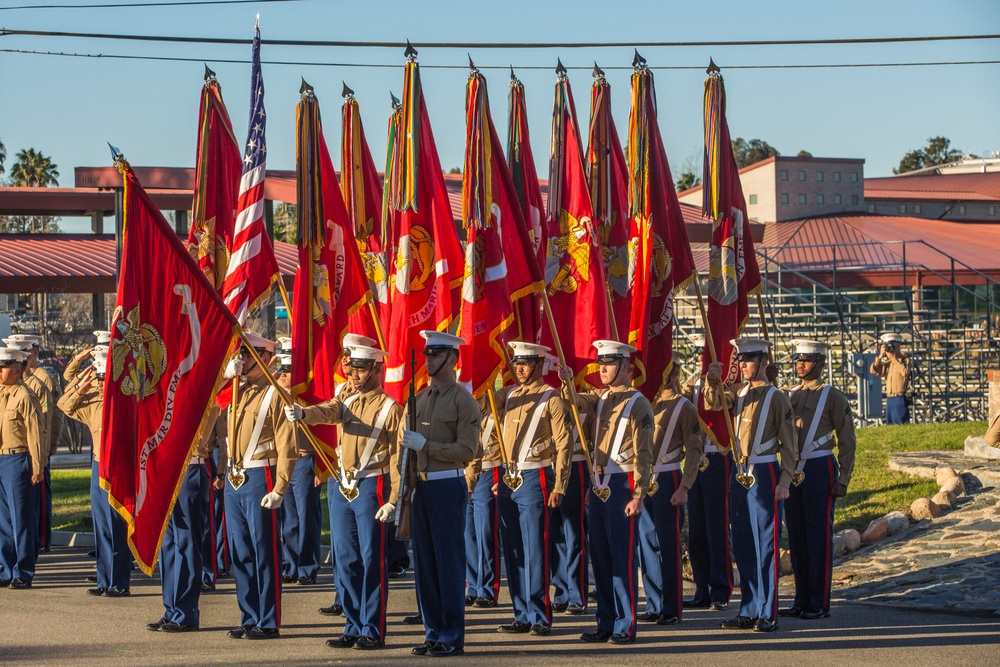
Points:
[(117, 5), (494, 45), (500, 67)]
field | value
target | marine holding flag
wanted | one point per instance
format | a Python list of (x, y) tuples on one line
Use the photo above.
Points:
[(170, 333)]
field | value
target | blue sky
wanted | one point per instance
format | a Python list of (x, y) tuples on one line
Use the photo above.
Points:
[(70, 107)]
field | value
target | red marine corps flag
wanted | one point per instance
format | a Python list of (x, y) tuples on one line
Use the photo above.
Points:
[(427, 271), (733, 274), (217, 170), (658, 243), (574, 270), (170, 335), (607, 178), (331, 291), (500, 268), (362, 188), (527, 311)]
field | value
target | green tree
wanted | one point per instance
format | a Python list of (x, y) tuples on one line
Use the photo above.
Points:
[(33, 170), (804, 153), (286, 222), (686, 181), (751, 152), (937, 151), (3, 155)]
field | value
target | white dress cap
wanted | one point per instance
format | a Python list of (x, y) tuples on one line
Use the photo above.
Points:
[(286, 344), (100, 359), (261, 342), (285, 360), (103, 337), (891, 337), (698, 340), (31, 339), (14, 342), (350, 340), (806, 346), (436, 339), (612, 348), (13, 354), (363, 355), (750, 345), (522, 349)]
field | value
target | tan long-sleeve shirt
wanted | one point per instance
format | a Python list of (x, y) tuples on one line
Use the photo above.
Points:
[(449, 418), (87, 408), (896, 372), (22, 425), (837, 418), (551, 439), (277, 431), (686, 437)]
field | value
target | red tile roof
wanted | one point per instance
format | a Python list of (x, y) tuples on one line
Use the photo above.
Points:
[(935, 187)]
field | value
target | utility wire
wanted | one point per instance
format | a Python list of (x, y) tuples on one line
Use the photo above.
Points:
[(503, 67), (492, 45), (118, 5)]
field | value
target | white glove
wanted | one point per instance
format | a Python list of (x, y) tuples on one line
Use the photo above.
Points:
[(293, 413), (386, 513), (272, 501), (234, 368), (413, 440), (714, 371)]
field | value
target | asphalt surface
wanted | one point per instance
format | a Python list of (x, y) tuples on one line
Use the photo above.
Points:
[(57, 623)]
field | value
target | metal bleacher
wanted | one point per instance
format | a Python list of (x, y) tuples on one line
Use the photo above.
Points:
[(948, 329)]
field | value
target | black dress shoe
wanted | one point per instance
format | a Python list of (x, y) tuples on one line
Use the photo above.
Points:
[(116, 593), (442, 650), (484, 602), (343, 641), (720, 605), (367, 644), (92, 553), (415, 619), (177, 627), (289, 580), (262, 633), (618, 638), (647, 617), (155, 627), (515, 628), (765, 625), (790, 612), (332, 610), (306, 581), (422, 649), (45, 550), (738, 623), (813, 614), (238, 633), (576, 609), (559, 607), (596, 636), (470, 600), (397, 572), (695, 603), (541, 630), (4, 583), (19, 584), (92, 579), (592, 595), (668, 620), (95, 591), (207, 587), (222, 574)]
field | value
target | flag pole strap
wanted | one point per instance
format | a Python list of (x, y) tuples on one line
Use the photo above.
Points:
[(571, 389), (287, 400), (711, 350)]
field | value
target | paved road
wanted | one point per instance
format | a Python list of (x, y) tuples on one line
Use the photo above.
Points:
[(56, 623)]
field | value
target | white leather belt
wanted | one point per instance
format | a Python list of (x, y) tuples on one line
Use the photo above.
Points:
[(534, 465), (578, 457), (260, 463), (666, 467), (816, 453), (763, 458), (196, 461), (711, 449), (361, 474), (442, 474), (614, 468), (490, 465)]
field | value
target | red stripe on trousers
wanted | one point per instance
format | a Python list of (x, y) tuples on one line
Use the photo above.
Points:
[(496, 539), (383, 584), (828, 550), (631, 555), (277, 557), (545, 545)]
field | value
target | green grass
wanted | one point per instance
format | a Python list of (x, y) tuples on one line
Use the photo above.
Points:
[(875, 490), (70, 499)]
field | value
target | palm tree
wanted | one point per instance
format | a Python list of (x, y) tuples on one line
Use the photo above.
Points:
[(33, 170), (3, 155)]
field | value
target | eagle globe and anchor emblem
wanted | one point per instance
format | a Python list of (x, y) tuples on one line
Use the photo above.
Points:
[(140, 358)]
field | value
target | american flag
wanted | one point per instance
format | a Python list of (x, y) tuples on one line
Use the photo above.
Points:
[(252, 266)]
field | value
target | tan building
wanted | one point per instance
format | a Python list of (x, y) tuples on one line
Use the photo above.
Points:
[(789, 188)]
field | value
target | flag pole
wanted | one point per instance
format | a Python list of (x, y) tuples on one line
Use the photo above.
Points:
[(510, 479), (571, 389), (378, 325), (712, 354), (287, 400), (761, 317), (284, 297)]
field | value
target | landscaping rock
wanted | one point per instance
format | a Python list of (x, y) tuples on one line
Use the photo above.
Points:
[(897, 522), (785, 563), (945, 473), (839, 545), (955, 486), (852, 539), (876, 530), (944, 499), (923, 508), (976, 447)]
